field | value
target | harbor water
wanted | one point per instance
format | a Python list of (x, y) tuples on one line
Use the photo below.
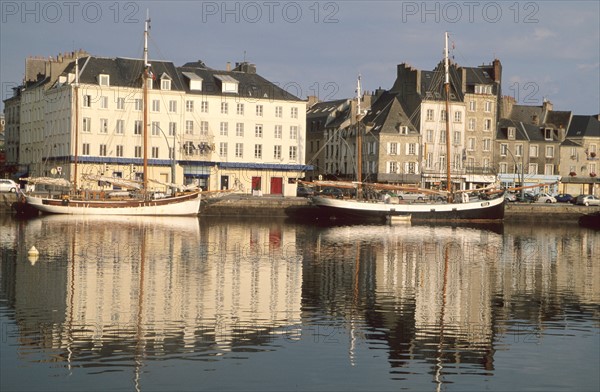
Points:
[(233, 304)]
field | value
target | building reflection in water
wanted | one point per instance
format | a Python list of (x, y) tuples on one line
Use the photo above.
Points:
[(130, 289)]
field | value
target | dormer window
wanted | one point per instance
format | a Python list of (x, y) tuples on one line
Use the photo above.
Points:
[(547, 133), (228, 84), (483, 89), (511, 133), (165, 82), (195, 81), (402, 129), (104, 80)]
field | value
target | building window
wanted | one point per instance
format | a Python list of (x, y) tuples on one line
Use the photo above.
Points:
[(172, 128), (103, 125), (471, 144), (472, 124), (533, 168), (503, 149), (240, 109), (533, 151), (224, 108), (457, 138), (189, 127), (503, 167), (137, 127), (139, 104), (104, 80), (549, 151), (393, 149), (239, 150), (204, 107), (511, 133), (549, 169), (120, 127), (172, 106), (224, 128), (258, 151), (165, 84), (443, 136), (223, 150), (239, 129), (104, 102), (155, 128), (258, 130), (443, 116), (87, 101), (155, 105), (411, 167), (87, 124), (392, 167), (487, 144), (472, 106), (171, 153), (294, 113), (278, 111), (155, 152), (102, 151), (412, 149), (518, 150), (488, 107), (429, 135), (293, 132), (137, 151), (430, 115), (457, 117), (277, 152), (403, 130), (189, 106), (259, 110), (487, 124), (278, 131), (119, 150), (293, 152), (86, 149), (204, 128)]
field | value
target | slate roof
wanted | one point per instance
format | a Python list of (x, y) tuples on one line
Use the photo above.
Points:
[(250, 85), (558, 119), (387, 113), (126, 72), (323, 114), (525, 114), (522, 130), (584, 126)]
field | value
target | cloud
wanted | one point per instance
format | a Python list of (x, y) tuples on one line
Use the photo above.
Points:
[(588, 67), (541, 33)]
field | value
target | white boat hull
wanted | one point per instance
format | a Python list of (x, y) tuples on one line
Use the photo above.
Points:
[(184, 205), (480, 210)]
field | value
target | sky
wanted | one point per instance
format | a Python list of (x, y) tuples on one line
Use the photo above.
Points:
[(548, 49)]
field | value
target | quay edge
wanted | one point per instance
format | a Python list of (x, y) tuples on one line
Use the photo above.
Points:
[(298, 207)]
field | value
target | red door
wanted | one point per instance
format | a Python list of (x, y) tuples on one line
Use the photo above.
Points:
[(276, 186)]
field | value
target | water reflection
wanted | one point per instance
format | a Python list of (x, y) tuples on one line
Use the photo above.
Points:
[(435, 302)]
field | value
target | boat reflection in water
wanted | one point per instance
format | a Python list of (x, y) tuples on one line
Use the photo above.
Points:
[(418, 304)]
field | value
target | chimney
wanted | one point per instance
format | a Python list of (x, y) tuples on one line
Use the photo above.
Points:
[(497, 70), (228, 66), (311, 100)]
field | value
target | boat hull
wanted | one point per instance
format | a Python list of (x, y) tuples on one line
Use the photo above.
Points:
[(474, 211), (184, 205)]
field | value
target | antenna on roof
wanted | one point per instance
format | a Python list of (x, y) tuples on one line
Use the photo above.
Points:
[(244, 56)]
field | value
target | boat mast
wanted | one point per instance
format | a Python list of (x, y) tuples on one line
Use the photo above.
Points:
[(145, 101), (447, 89), (76, 93), (358, 141)]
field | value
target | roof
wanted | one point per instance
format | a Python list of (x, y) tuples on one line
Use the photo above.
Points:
[(387, 113), (584, 126), (250, 84)]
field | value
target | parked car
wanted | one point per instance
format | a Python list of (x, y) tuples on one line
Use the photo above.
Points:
[(332, 192), (411, 196), (7, 185), (509, 196), (528, 197), (563, 198), (575, 198), (590, 200), (545, 198), (304, 191)]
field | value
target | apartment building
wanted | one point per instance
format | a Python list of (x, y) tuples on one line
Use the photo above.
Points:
[(218, 129)]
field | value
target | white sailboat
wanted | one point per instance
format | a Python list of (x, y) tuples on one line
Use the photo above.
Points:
[(455, 209), (142, 202)]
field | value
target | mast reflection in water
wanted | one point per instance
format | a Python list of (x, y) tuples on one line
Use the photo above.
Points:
[(161, 303)]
